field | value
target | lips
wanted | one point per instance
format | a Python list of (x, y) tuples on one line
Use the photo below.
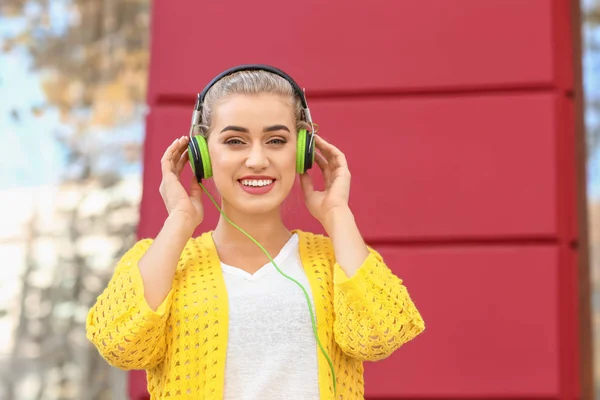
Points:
[(256, 184)]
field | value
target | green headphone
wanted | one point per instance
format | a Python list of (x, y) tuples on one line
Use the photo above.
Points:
[(198, 147)]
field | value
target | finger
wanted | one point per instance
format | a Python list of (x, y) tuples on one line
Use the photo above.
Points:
[(195, 189), (182, 147), (165, 161), (195, 193), (324, 166), (321, 161), (333, 155), (183, 159), (323, 144), (306, 184)]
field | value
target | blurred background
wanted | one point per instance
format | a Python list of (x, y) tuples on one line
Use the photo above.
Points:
[(74, 127)]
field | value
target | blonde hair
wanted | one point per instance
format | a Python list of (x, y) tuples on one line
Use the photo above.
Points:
[(250, 82)]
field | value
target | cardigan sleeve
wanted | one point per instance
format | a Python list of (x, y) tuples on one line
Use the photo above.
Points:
[(374, 314), (121, 325)]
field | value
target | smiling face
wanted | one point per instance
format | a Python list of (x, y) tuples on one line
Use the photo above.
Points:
[(252, 146)]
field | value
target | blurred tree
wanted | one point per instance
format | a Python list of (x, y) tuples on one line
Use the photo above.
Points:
[(93, 55), (591, 48), (591, 64), (93, 58)]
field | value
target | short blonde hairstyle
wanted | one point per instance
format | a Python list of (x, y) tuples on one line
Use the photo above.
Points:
[(250, 83)]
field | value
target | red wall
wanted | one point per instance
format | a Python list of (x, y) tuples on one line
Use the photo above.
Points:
[(457, 122)]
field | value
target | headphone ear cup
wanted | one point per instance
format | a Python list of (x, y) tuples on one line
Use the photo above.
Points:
[(200, 158), (305, 152), (193, 159), (301, 151), (310, 152), (204, 156)]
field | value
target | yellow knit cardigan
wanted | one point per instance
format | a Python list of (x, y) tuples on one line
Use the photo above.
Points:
[(182, 345)]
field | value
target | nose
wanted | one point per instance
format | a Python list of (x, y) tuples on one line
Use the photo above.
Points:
[(257, 158)]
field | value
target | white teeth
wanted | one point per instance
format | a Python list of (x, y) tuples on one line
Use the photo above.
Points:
[(253, 182)]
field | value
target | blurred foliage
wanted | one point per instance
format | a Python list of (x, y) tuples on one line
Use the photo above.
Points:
[(591, 57), (92, 57), (591, 49)]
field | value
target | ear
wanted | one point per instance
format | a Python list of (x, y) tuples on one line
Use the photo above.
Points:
[(204, 130), (303, 125)]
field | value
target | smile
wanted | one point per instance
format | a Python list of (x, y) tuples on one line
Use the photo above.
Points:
[(256, 186), (255, 182)]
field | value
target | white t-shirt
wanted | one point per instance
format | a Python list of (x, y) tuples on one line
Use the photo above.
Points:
[(271, 349)]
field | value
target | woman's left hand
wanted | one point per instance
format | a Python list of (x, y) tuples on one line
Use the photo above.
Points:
[(333, 163)]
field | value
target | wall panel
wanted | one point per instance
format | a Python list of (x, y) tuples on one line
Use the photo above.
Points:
[(492, 323), (341, 46)]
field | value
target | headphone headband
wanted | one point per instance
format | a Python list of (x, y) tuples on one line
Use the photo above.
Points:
[(198, 149), (255, 67)]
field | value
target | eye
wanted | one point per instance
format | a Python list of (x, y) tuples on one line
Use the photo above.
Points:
[(234, 141), (277, 141)]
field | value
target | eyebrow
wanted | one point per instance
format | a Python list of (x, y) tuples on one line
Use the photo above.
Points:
[(271, 128)]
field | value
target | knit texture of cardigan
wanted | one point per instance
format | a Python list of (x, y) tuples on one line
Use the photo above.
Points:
[(182, 344)]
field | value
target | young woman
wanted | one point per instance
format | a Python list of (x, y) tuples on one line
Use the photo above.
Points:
[(215, 317)]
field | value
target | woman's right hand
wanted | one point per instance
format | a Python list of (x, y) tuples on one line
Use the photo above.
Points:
[(174, 195)]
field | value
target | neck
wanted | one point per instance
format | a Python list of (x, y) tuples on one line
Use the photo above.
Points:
[(267, 229)]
